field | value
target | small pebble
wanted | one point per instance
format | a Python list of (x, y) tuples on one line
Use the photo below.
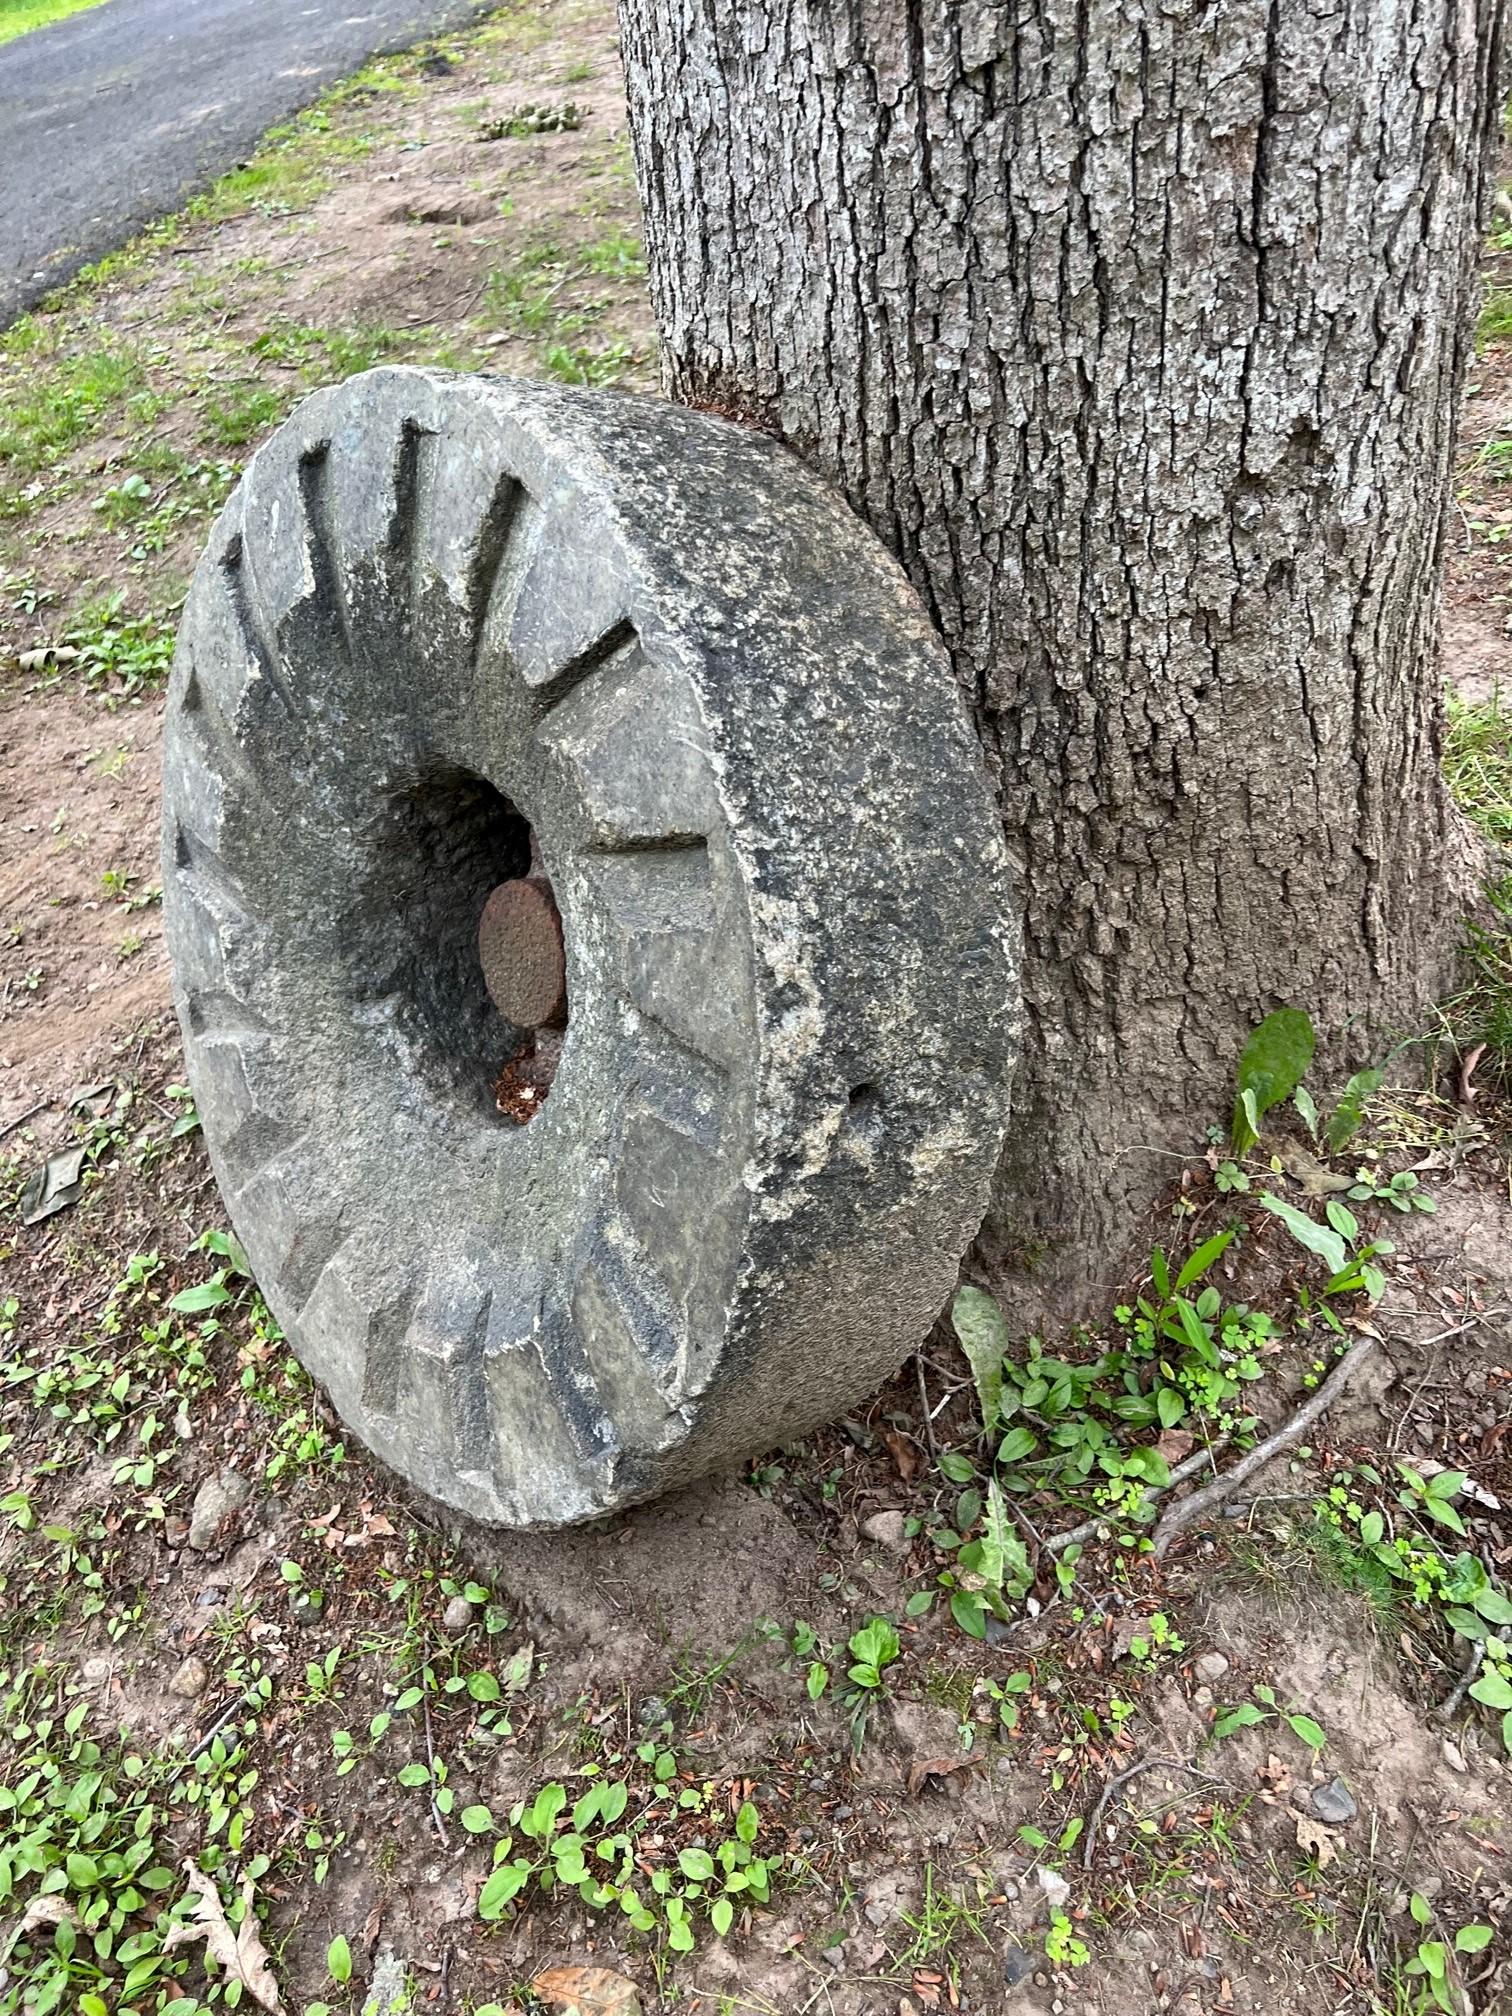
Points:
[(1017, 1966), (1211, 1667), (1333, 1802), (1057, 1890), (191, 1679), (653, 1712), (457, 1615), (216, 1504), (886, 1529)]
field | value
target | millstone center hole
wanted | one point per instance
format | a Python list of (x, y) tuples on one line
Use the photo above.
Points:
[(442, 846)]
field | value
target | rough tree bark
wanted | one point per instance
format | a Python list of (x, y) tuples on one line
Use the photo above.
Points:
[(1137, 330)]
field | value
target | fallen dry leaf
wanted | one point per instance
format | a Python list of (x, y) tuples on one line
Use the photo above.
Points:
[(1314, 1839), (1469, 1093), (49, 1910), (1274, 1773), (1309, 1173), (924, 1768), (1128, 1629), (903, 1453), (588, 1991), (240, 1955)]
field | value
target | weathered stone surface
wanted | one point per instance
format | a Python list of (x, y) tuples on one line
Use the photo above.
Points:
[(440, 614)]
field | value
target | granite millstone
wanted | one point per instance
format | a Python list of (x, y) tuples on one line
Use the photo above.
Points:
[(442, 616)]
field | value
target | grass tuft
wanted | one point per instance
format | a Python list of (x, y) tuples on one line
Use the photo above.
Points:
[(1478, 767), (19, 17)]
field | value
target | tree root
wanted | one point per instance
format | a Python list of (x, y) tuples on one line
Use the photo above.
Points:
[(1450, 1706), (1198, 1460), (1211, 1496)]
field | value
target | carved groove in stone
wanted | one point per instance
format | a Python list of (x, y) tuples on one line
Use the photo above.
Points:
[(550, 692), (488, 572), (414, 482), (325, 563), (249, 620)]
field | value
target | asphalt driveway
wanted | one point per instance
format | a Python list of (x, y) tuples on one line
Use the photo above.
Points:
[(115, 116)]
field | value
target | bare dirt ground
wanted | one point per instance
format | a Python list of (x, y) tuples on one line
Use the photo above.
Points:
[(1215, 1783)]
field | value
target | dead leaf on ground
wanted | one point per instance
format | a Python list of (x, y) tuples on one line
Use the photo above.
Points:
[(939, 1768), (240, 1955), (516, 1675), (43, 655), (49, 1910), (95, 1097), (588, 1991), (1175, 1445), (1274, 1774), (1309, 1173), (53, 1187), (1129, 1629), (1314, 1839), (903, 1453)]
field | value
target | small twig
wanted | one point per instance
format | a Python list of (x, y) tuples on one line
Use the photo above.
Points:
[(1089, 1846), (1450, 1707), (430, 1753), (1073, 1536), (934, 1454), (1458, 1330), (1211, 1496), (22, 1118), (214, 1730)]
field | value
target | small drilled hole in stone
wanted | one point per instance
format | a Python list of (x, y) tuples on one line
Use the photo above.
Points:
[(864, 1109)]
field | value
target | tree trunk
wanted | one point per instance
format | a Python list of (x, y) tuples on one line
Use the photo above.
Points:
[(1138, 332)]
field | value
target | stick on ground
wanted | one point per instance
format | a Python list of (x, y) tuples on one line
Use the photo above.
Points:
[(1211, 1496), (1200, 1459)]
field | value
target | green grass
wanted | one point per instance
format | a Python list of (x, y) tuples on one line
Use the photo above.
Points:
[(1478, 766), (620, 255), (19, 17), (242, 412), (579, 364), (57, 405), (1495, 324)]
